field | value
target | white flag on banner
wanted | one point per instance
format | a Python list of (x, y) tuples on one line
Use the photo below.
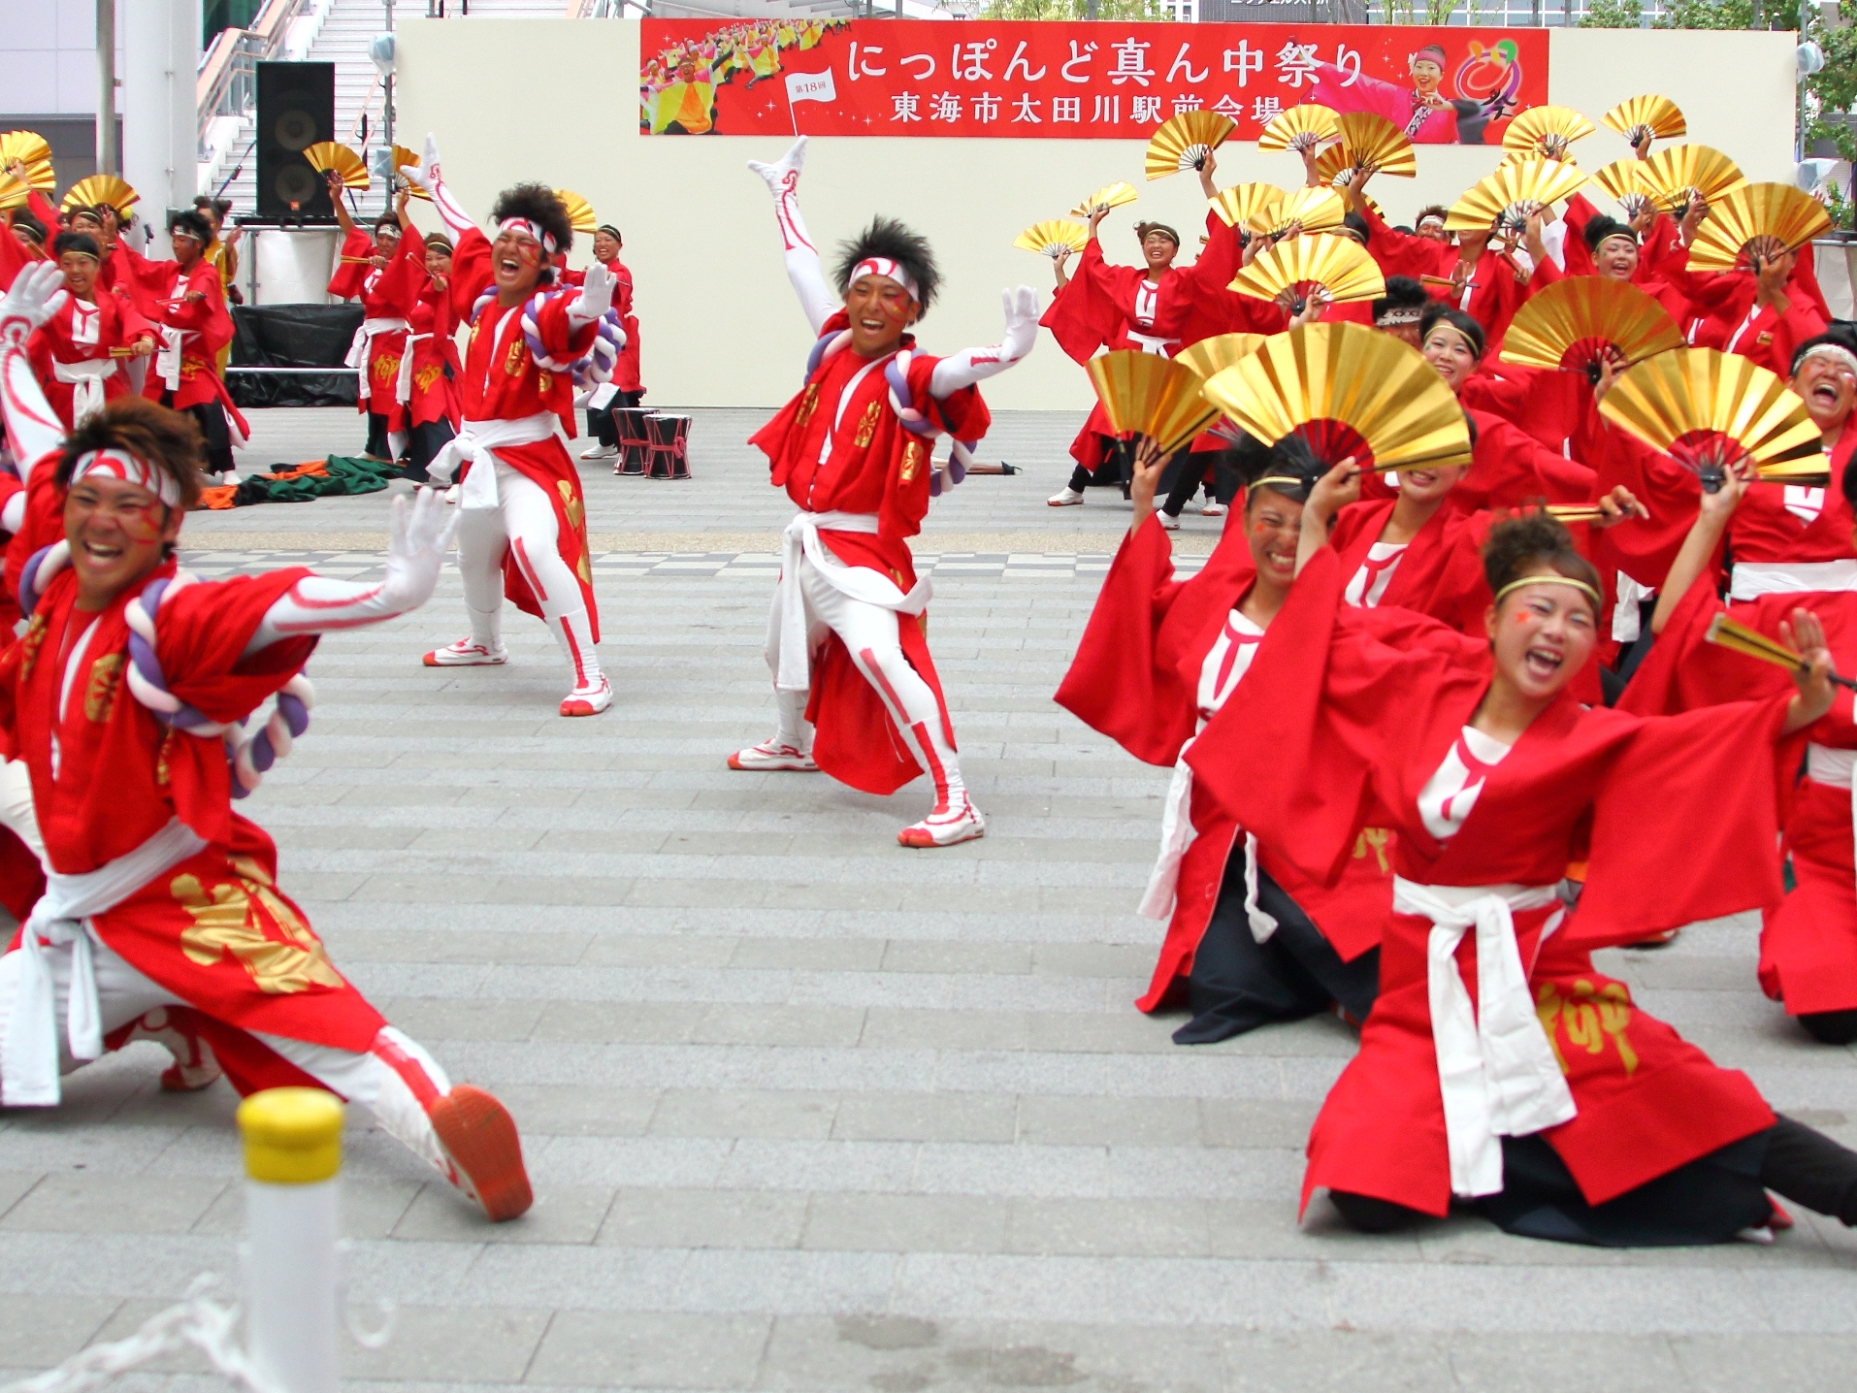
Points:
[(811, 87)]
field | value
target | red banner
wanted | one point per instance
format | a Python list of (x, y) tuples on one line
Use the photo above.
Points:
[(1090, 81)]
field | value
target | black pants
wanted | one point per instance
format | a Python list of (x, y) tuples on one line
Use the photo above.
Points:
[(425, 442), (1118, 467), (378, 446), (1238, 984), (1185, 471), (1831, 1027), (1708, 1200), (214, 430), (601, 424)]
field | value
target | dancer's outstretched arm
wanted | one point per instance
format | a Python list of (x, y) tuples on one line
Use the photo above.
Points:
[(32, 427), (429, 177), (416, 552), (973, 365), (803, 269)]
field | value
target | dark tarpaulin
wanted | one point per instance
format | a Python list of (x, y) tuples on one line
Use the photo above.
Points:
[(293, 336)]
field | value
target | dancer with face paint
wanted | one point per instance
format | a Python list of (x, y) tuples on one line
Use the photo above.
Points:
[(82, 352), (162, 919), (523, 528), (853, 450)]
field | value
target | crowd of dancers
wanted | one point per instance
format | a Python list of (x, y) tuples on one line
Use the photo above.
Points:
[(1522, 638)]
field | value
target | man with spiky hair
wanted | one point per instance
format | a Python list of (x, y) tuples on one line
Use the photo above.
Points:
[(854, 451), (524, 526)]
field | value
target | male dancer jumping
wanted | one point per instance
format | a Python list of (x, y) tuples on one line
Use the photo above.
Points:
[(161, 918), (845, 637)]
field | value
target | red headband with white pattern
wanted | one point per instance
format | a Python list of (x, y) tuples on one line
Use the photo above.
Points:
[(883, 266), (532, 230), (119, 464)]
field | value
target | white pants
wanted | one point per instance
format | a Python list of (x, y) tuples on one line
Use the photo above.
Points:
[(523, 522), (869, 633), (388, 1080)]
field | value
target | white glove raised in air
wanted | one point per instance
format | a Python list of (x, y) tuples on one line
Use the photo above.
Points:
[(1021, 322), (596, 294), (424, 175), (36, 295), (783, 176), (416, 550)]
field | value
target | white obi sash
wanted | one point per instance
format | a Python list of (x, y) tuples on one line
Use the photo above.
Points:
[(29, 1053), (801, 542), (1496, 1068), (478, 441), (1752, 579), (403, 384), (168, 356), (1177, 834), (86, 378), (361, 349)]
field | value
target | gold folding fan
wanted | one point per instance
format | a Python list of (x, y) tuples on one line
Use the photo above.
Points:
[(30, 149), (1239, 204), (1349, 391), (100, 190), (1673, 174), (1300, 128), (1548, 131), (1108, 196), (325, 155), (1752, 219), (1334, 270), (1647, 115), (1332, 167), (1510, 196), (1183, 141), (1318, 210), (1375, 144), (1576, 322), (1214, 355), (1053, 237), (409, 159), (1709, 410), (12, 192), (1737, 637), (1571, 513), (1624, 182), (580, 214), (1146, 394)]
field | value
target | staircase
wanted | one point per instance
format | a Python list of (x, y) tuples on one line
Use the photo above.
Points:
[(347, 28)]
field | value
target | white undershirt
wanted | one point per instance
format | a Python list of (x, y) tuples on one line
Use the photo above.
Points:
[(1369, 583), (1227, 662), (1453, 789)]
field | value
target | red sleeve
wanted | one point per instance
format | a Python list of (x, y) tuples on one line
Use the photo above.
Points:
[(1805, 283), (470, 272), (12, 258), (200, 638), (42, 208), (1399, 253), (352, 268), (1685, 672), (1580, 212), (557, 333), (131, 324), (1642, 548), (399, 285), (1080, 317), (145, 282), (1510, 468)]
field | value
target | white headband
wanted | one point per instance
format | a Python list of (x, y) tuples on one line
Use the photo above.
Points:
[(883, 266), (1843, 357), (533, 231), (119, 464), (1402, 314)]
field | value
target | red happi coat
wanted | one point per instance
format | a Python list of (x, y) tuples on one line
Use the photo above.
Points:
[(1440, 573), (214, 929), (501, 382), (626, 370), (1675, 817), (1136, 679), (1808, 946), (1405, 253), (159, 291), (1508, 469), (437, 371), (83, 332), (1724, 313), (386, 292), (873, 466)]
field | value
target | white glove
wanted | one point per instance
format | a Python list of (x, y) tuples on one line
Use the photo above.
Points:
[(784, 175), (424, 175), (416, 550), (596, 294), (1021, 322), (36, 295)]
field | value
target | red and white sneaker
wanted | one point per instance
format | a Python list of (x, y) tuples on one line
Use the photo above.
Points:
[(946, 826), (480, 1140), (467, 653), (770, 754), (588, 700)]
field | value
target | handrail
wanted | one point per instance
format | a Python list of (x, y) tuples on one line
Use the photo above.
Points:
[(227, 81)]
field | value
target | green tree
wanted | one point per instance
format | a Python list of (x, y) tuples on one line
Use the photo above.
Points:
[(1075, 9), (1831, 94), (1613, 14)]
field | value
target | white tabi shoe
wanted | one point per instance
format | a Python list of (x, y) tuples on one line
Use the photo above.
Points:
[(600, 452), (1213, 510), (466, 652), (1064, 498), (589, 700), (946, 826), (771, 755), (1167, 520)]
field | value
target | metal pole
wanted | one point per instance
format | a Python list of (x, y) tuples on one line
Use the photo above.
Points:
[(107, 162), (387, 114)]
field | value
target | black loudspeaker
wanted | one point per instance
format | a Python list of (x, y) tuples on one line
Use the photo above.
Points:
[(296, 109)]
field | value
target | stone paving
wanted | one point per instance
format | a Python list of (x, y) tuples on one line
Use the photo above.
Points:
[(807, 1111)]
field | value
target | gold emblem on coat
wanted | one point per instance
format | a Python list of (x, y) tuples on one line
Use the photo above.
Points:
[(867, 424), (808, 403), (543, 382), (29, 645), (576, 512), (1587, 1020), (249, 921), (1373, 839), (517, 358), (427, 375), (915, 454), (106, 675), (387, 368)]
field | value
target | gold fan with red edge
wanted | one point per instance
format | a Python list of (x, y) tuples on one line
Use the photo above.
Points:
[(1652, 115), (1736, 637), (1239, 204), (1054, 237), (1300, 128), (1548, 131), (1332, 167), (1144, 394), (101, 190), (1318, 210), (1183, 142), (325, 155), (1332, 270), (1624, 182), (1711, 411), (580, 214), (1376, 145), (1108, 196), (1756, 221), (30, 149), (1350, 392), (1506, 199), (1675, 173), (409, 159), (1578, 323)]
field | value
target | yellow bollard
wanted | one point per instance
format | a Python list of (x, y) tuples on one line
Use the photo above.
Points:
[(293, 1157)]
